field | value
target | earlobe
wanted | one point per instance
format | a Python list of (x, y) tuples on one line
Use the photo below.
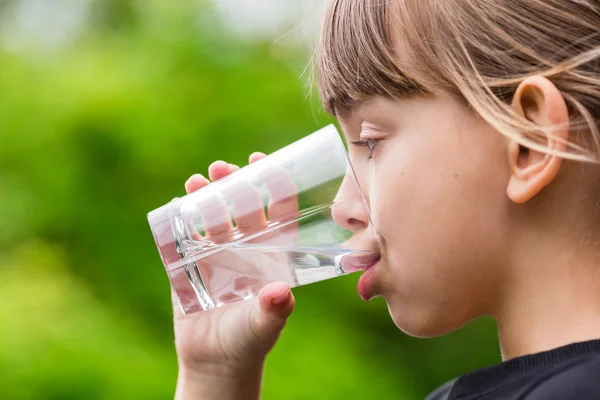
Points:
[(538, 100)]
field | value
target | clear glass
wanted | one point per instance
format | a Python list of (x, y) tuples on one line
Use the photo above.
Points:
[(273, 220)]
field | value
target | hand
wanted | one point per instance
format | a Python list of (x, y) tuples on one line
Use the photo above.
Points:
[(223, 349)]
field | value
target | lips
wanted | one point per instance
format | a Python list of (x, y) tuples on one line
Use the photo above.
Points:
[(366, 261), (366, 282), (360, 261)]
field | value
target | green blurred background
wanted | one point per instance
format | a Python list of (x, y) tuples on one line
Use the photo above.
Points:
[(106, 107)]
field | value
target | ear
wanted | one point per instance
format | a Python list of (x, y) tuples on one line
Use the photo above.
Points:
[(538, 100)]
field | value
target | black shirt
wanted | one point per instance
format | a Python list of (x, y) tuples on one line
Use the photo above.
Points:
[(569, 372)]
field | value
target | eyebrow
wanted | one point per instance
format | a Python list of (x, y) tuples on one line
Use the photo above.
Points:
[(354, 106)]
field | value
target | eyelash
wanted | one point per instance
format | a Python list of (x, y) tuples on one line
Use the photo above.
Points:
[(371, 144)]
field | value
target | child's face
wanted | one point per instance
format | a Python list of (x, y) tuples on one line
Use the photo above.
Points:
[(436, 187)]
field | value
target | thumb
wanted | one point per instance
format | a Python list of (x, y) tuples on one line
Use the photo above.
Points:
[(269, 314)]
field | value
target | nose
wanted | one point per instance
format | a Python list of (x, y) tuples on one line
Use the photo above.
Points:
[(348, 210)]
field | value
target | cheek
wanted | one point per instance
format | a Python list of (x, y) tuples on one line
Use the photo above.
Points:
[(439, 218)]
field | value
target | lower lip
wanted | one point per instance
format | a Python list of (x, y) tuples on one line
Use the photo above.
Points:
[(365, 285)]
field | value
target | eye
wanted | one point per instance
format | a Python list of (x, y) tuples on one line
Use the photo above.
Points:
[(371, 144)]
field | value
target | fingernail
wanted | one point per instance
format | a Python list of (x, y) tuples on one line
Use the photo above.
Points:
[(195, 176), (281, 298)]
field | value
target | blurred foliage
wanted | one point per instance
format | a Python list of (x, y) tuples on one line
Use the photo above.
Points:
[(99, 131)]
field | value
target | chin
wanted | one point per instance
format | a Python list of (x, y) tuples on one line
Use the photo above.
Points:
[(422, 322)]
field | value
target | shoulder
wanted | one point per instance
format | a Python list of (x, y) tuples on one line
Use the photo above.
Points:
[(442, 392), (579, 381)]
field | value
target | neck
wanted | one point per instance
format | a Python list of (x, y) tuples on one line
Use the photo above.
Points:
[(552, 299)]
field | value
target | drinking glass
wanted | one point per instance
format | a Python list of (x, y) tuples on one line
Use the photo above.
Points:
[(278, 219)]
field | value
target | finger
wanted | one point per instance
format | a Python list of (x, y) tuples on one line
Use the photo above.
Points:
[(216, 219), (277, 297), (254, 157), (220, 169), (281, 188), (283, 194), (246, 200), (247, 206), (195, 182), (275, 304), (183, 295)]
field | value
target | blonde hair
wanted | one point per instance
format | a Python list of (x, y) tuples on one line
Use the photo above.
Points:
[(477, 50)]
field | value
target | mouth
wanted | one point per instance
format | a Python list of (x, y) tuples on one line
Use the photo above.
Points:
[(360, 261), (366, 283)]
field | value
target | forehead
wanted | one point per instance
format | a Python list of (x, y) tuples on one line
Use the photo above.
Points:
[(377, 109), (346, 114)]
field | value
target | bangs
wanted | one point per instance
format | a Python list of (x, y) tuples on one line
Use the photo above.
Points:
[(357, 55)]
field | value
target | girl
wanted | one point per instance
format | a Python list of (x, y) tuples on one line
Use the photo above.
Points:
[(474, 129)]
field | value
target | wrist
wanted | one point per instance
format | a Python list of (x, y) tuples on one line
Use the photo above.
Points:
[(219, 382)]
